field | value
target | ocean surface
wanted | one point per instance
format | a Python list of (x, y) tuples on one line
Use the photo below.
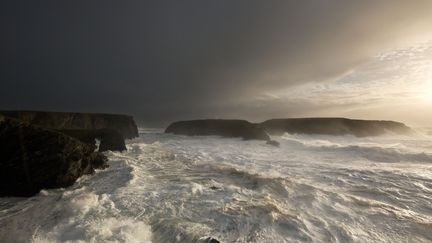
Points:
[(170, 188)]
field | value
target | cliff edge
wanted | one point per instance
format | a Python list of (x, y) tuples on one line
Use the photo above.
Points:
[(123, 124)]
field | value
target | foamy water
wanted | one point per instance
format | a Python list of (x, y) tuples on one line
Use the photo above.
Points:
[(169, 188)]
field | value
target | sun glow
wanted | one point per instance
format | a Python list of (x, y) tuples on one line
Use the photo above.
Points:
[(427, 92), (425, 86)]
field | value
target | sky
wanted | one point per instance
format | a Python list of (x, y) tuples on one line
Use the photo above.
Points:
[(163, 61)]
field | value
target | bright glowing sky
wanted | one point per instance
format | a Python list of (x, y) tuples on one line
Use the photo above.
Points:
[(392, 85)]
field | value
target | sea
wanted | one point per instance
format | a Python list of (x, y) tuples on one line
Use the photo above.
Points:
[(173, 188)]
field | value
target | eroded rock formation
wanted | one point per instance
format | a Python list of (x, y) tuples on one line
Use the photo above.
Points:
[(109, 139), (34, 158)]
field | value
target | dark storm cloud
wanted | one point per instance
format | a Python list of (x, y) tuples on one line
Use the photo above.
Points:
[(165, 60)]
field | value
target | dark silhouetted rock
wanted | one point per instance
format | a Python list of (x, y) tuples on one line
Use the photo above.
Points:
[(109, 139), (123, 124), (334, 126), (273, 143), (34, 158), (225, 128), (208, 240)]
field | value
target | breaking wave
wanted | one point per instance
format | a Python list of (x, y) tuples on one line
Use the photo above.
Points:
[(169, 188)]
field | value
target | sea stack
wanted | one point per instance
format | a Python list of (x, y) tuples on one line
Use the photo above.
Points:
[(219, 127)]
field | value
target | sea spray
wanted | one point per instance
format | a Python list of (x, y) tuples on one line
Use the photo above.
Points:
[(169, 188)]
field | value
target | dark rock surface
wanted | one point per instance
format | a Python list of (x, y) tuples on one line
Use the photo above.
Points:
[(334, 126), (109, 139), (34, 158), (273, 143), (209, 240), (225, 128), (123, 124)]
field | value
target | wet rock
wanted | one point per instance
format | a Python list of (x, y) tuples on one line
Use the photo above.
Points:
[(224, 128), (273, 143), (109, 139), (34, 158), (208, 240)]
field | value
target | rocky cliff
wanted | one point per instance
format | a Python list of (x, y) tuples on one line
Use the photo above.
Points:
[(123, 124), (334, 126), (225, 128), (33, 158)]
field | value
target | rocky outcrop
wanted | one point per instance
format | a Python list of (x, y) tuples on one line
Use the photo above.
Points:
[(273, 143), (109, 139), (225, 128), (34, 158), (334, 126), (123, 124)]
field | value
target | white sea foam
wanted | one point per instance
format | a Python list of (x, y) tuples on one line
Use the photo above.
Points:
[(169, 188)]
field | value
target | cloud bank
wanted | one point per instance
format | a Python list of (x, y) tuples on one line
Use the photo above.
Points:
[(167, 60)]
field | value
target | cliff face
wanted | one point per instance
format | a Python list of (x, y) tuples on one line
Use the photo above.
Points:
[(123, 124), (225, 128), (34, 158), (334, 126)]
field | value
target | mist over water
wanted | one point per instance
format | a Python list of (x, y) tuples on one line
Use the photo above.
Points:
[(170, 188)]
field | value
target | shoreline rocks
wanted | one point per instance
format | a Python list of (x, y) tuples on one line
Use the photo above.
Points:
[(34, 158), (225, 128), (43, 150), (273, 143)]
